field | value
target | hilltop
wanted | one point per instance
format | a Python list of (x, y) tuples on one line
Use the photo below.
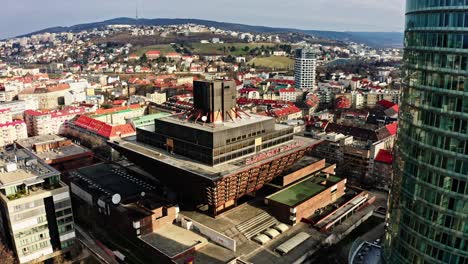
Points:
[(374, 39)]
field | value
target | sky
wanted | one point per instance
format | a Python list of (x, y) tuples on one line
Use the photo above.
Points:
[(24, 16)]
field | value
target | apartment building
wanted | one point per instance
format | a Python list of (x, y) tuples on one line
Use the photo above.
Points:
[(36, 217), (11, 130), (305, 69), (49, 122)]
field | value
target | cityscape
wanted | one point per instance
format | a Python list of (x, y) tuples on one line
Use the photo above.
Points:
[(334, 135)]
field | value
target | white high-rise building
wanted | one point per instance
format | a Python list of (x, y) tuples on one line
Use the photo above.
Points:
[(305, 69)]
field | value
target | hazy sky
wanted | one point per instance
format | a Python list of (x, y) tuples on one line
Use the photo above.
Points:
[(24, 16)]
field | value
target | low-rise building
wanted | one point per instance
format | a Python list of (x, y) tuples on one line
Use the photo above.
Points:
[(317, 188), (59, 152)]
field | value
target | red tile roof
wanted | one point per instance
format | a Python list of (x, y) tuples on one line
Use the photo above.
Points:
[(392, 128), (116, 109), (287, 90), (153, 52), (384, 156), (386, 104), (103, 129), (12, 123), (292, 109), (57, 113)]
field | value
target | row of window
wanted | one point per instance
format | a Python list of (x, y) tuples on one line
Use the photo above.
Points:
[(440, 19), (440, 61), (445, 124), (413, 5), (65, 220), (65, 228), (433, 233), (431, 177), (31, 231), (253, 134), (434, 158), (35, 247), (33, 239), (436, 40), (408, 255), (26, 206), (63, 212)]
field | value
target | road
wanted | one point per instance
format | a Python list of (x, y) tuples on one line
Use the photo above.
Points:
[(90, 243)]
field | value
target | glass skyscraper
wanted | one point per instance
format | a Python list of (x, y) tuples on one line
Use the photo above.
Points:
[(428, 205)]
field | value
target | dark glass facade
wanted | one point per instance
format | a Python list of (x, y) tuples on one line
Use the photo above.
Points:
[(428, 204)]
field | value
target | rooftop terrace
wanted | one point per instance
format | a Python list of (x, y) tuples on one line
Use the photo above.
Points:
[(304, 190), (206, 171), (22, 167)]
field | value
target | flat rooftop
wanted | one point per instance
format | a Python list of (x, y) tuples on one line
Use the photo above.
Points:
[(57, 153), (229, 223), (303, 190), (27, 169), (300, 164), (206, 171), (109, 179), (245, 120), (173, 240)]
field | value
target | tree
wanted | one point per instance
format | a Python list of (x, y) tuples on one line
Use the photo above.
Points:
[(143, 59), (6, 256), (59, 259)]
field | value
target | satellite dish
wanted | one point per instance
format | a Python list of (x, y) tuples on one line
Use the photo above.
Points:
[(204, 118), (116, 198), (143, 194)]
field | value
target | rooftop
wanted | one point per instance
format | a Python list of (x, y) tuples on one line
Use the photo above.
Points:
[(20, 166), (206, 171), (245, 120), (303, 190), (173, 240), (110, 179), (53, 154)]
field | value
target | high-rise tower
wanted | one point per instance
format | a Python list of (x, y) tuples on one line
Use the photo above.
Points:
[(428, 205), (305, 69)]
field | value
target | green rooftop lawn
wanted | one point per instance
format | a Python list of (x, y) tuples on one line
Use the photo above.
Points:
[(302, 191)]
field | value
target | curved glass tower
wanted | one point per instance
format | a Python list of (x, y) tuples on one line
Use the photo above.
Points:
[(428, 205)]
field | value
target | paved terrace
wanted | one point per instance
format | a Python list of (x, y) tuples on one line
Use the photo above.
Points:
[(206, 171), (231, 221)]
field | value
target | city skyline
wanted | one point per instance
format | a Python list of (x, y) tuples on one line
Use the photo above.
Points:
[(368, 15)]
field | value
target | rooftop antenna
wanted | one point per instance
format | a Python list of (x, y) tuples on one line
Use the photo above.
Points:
[(136, 10)]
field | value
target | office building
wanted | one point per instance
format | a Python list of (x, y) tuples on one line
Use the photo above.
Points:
[(214, 153), (429, 199), (36, 219), (305, 69)]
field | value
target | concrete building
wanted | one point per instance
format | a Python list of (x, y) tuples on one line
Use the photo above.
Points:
[(59, 152), (215, 153), (156, 97), (303, 199), (35, 208), (17, 108), (11, 130), (49, 122), (354, 151), (118, 115), (49, 97), (305, 69)]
